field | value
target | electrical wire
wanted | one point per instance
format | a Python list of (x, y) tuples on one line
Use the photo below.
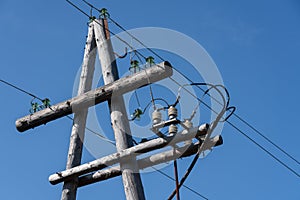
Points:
[(94, 132), (156, 99), (176, 180), (137, 98), (225, 104), (264, 149), (266, 138), (185, 186), (187, 173), (24, 91)]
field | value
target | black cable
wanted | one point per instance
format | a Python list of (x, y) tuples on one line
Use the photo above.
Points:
[(266, 138), (136, 39), (156, 99), (137, 98), (79, 9), (225, 104), (94, 132), (185, 186), (262, 148), (24, 91), (176, 180), (232, 109), (187, 173)]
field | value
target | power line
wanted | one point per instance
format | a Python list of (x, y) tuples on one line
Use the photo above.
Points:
[(185, 186), (264, 149), (94, 132), (24, 91), (266, 138)]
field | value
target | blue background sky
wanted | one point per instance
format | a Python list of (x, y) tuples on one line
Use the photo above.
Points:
[(254, 44)]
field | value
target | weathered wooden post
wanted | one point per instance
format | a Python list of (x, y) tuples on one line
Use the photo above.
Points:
[(131, 178), (77, 136)]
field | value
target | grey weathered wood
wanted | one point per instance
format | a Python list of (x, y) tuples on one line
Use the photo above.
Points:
[(78, 129), (131, 178), (101, 94), (115, 158), (180, 152)]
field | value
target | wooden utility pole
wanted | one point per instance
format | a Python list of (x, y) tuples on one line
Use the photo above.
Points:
[(125, 159), (77, 136), (130, 172)]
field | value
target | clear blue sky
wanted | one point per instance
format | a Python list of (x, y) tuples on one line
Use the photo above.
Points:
[(255, 45)]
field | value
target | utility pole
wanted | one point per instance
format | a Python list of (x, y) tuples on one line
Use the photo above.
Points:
[(130, 172), (124, 162), (78, 129)]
